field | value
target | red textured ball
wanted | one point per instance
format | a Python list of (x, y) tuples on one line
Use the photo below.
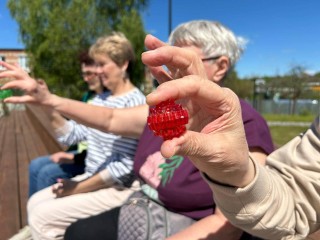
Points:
[(168, 120)]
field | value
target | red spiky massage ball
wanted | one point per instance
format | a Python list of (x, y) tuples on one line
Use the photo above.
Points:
[(168, 119)]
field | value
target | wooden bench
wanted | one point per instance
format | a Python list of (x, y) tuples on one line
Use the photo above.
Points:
[(24, 135)]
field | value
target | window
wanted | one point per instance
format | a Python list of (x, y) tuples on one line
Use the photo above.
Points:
[(2, 58), (23, 62)]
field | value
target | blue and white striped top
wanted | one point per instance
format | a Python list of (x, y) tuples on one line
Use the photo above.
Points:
[(107, 150)]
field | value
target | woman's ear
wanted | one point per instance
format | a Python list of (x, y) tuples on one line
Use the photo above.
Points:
[(223, 64), (125, 66)]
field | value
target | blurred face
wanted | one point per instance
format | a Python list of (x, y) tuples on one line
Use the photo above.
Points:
[(211, 64), (90, 77), (109, 72)]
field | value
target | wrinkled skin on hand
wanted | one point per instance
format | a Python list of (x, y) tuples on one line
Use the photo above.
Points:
[(215, 140)]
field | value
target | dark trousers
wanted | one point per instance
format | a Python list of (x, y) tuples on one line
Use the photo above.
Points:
[(103, 226)]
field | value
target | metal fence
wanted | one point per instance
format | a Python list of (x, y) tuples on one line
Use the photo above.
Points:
[(284, 106)]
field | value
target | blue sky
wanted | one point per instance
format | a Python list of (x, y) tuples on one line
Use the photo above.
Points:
[(280, 33)]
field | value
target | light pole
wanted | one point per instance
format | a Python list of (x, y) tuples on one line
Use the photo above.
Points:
[(170, 16), (259, 89)]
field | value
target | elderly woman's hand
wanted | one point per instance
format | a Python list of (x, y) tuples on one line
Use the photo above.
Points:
[(215, 141)]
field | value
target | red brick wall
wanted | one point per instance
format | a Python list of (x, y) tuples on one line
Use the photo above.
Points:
[(12, 55)]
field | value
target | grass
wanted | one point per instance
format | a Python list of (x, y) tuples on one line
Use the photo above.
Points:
[(283, 134), (289, 118)]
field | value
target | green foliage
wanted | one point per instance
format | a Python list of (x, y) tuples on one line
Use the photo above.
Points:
[(56, 31), (243, 88), (132, 25), (291, 86), (5, 94), (296, 84)]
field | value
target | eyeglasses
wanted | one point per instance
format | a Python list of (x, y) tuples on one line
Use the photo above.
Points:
[(210, 58), (88, 74)]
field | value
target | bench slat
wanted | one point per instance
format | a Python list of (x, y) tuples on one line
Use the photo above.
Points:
[(9, 203), (24, 135)]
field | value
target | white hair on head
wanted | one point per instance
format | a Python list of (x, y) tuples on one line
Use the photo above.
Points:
[(242, 42), (211, 37)]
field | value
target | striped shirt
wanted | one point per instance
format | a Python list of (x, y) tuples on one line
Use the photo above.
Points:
[(107, 150)]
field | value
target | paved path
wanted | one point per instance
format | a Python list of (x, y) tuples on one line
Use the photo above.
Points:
[(296, 124)]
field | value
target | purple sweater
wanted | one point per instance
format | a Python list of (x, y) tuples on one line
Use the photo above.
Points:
[(179, 184)]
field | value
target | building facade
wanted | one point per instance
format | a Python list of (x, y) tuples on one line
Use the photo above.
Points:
[(17, 56)]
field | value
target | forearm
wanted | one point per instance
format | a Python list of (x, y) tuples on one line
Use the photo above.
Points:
[(94, 183), (127, 122), (56, 119), (81, 112)]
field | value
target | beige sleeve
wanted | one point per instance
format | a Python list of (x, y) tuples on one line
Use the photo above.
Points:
[(283, 200)]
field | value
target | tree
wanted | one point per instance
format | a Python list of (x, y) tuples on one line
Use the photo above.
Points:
[(132, 25), (317, 75), (54, 32), (291, 86), (243, 88)]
